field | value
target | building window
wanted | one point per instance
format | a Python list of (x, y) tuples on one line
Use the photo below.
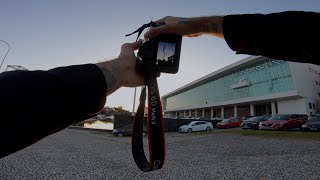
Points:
[(317, 82), (266, 77), (310, 106), (314, 106)]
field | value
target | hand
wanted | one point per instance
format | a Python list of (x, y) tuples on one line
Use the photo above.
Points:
[(191, 27), (121, 72)]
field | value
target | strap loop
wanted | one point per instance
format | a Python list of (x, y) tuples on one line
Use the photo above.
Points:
[(155, 126)]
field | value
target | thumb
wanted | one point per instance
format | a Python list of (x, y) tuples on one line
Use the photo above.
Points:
[(151, 33), (165, 29), (136, 45), (133, 46)]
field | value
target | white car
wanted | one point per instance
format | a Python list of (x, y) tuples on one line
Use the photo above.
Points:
[(196, 126)]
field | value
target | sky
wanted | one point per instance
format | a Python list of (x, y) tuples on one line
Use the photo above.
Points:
[(46, 34), (165, 50)]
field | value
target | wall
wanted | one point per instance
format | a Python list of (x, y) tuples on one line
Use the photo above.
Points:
[(306, 78), (292, 106)]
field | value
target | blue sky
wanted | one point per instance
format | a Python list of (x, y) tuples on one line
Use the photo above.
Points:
[(165, 50), (45, 34)]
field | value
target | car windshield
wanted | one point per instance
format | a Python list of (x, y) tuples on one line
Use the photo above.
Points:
[(280, 117), (257, 118), (314, 118), (225, 120)]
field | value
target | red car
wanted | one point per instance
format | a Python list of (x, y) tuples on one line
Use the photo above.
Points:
[(229, 122), (284, 122)]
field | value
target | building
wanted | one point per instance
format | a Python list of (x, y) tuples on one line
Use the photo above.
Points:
[(253, 86)]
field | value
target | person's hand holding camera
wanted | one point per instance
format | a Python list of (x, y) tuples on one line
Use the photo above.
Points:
[(121, 72), (190, 27)]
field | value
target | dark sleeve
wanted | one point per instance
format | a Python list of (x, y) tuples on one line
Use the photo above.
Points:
[(35, 104), (292, 35)]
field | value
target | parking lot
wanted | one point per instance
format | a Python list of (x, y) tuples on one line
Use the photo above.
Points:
[(82, 154)]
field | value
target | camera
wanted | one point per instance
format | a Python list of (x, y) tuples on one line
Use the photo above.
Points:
[(162, 51)]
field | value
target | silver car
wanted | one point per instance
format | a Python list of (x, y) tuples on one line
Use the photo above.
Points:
[(196, 126)]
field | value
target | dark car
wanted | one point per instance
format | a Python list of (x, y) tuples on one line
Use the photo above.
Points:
[(253, 123), (284, 122), (127, 131), (246, 117), (313, 124)]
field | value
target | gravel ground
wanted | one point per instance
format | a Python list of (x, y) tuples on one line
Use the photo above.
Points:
[(80, 154)]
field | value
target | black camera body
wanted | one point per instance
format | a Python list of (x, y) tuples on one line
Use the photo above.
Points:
[(162, 51)]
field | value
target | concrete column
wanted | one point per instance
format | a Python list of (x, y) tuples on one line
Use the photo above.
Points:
[(211, 115), (184, 114), (196, 113), (251, 110), (176, 113), (273, 108), (222, 112), (190, 113), (203, 113), (235, 111)]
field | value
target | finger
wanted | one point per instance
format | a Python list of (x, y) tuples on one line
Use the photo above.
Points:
[(137, 44), (165, 29), (194, 35), (151, 31), (161, 20), (134, 45)]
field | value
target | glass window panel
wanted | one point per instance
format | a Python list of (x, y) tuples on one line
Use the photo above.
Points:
[(267, 77)]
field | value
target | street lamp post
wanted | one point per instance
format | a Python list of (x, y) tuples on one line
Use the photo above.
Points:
[(134, 101), (6, 52)]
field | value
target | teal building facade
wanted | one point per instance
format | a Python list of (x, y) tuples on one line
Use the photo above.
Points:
[(252, 86)]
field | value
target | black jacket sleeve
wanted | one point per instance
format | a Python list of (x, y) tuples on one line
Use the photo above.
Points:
[(35, 104), (291, 35)]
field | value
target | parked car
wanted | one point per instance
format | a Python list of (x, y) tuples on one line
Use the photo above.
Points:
[(229, 122), (196, 126), (246, 117), (313, 124), (253, 122), (127, 131), (284, 122)]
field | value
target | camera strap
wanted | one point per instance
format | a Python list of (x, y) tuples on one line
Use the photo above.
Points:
[(155, 125), (140, 29)]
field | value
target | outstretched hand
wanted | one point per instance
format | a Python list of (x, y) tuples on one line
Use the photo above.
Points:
[(190, 27), (121, 72)]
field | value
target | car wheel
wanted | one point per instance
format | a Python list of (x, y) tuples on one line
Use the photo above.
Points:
[(144, 134), (227, 127), (120, 134), (304, 129), (208, 128), (189, 130)]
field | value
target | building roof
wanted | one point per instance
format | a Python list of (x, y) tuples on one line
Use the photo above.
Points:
[(216, 74)]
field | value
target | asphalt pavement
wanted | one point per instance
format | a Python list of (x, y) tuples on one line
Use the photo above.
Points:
[(81, 154)]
